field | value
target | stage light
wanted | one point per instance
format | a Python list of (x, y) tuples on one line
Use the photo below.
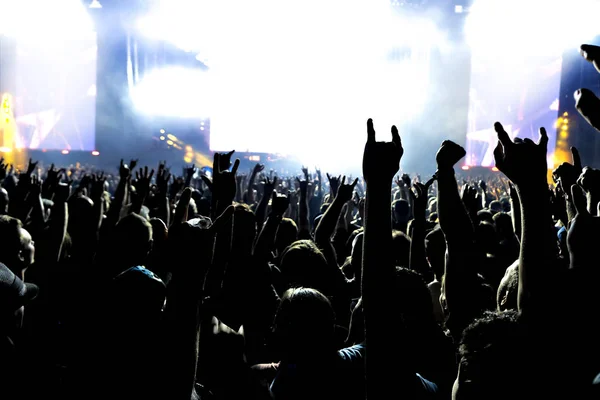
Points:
[(65, 152), (95, 153), (95, 4), (170, 142), (494, 169), (172, 137), (528, 36), (162, 131), (47, 22), (565, 114), (465, 167), (458, 9), (187, 91), (162, 138), (5, 149), (564, 127)]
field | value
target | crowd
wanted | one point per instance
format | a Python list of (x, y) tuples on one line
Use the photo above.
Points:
[(141, 284)]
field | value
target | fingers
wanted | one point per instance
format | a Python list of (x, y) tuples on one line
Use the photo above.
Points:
[(343, 180), (370, 131), (543, 138), (236, 164), (499, 153), (354, 183), (579, 200), (576, 158), (396, 136), (216, 166), (274, 196), (502, 135), (592, 54), (587, 104), (151, 174)]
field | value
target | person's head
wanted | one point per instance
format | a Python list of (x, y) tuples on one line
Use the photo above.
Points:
[(401, 244), (133, 241), (244, 228), (400, 211), (485, 216), (413, 297), (14, 295), (486, 239), (304, 324), (504, 226), (287, 233), (303, 265), (495, 207), (17, 249), (493, 359), (435, 248), (3, 201)]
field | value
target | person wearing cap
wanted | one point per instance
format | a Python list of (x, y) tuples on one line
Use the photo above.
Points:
[(14, 295)]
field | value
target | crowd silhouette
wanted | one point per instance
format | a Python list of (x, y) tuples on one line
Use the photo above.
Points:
[(140, 284)]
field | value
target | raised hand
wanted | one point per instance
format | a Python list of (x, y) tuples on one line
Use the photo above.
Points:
[(3, 169), (98, 182), (35, 188), (279, 204), (522, 161), (345, 192), (586, 102), (188, 172), (143, 178), (133, 163), (566, 174), (124, 170), (589, 180), (381, 160), (269, 185), (54, 176), (225, 160), (31, 166), (258, 168), (419, 198), (406, 180), (584, 231), (162, 178), (305, 173), (448, 155), (224, 184), (334, 183)]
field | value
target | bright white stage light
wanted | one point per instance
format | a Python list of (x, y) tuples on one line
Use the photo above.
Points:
[(95, 4), (45, 21), (180, 92), (301, 80), (530, 28)]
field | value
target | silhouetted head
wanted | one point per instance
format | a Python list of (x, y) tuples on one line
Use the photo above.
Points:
[(303, 265), (495, 207), (485, 238), (287, 233), (3, 201), (244, 227), (14, 295), (435, 248), (401, 245), (504, 226), (304, 324), (493, 359), (400, 211), (17, 249), (81, 209), (133, 240), (485, 216)]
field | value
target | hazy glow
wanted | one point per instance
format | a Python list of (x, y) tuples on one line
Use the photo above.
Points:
[(172, 92), (287, 76), (513, 28), (47, 21)]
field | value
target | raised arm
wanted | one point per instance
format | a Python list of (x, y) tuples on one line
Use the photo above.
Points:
[(460, 283), (524, 163), (387, 375)]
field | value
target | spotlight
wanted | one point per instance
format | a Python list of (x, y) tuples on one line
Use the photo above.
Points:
[(95, 4), (65, 152), (458, 9), (95, 153)]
